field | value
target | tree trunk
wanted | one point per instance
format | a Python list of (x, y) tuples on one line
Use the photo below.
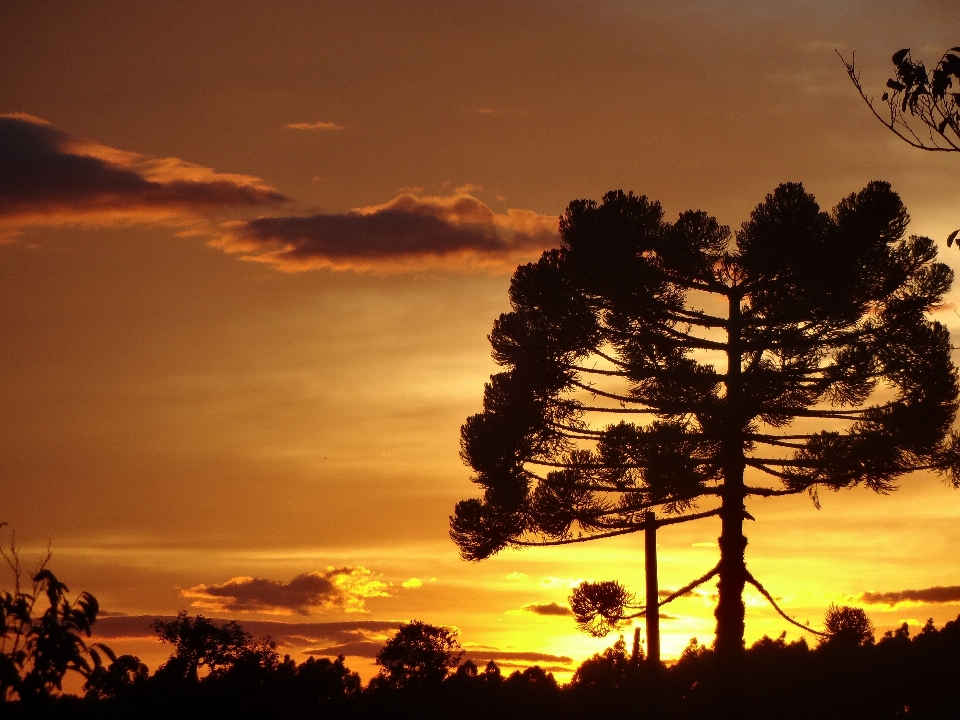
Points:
[(733, 568), (730, 608), (654, 668), (653, 592)]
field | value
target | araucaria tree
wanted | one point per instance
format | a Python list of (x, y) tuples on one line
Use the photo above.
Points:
[(673, 366)]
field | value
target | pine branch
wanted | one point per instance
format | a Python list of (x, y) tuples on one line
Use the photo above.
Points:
[(614, 533), (691, 586), (612, 396), (769, 492), (763, 591)]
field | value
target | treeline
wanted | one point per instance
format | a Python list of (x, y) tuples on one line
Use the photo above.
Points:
[(216, 669)]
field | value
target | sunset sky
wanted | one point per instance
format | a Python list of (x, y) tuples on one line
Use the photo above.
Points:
[(250, 254)]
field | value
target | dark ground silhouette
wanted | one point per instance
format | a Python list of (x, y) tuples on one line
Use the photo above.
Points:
[(849, 675)]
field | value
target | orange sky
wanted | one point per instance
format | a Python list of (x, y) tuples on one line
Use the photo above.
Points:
[(192, 395)]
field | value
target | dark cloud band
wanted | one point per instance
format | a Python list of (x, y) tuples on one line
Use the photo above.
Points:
[(47, 175), (933, 595), (406, 230), (547, 609), (114, 627)]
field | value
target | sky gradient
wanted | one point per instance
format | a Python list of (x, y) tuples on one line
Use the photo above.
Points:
[(250, 254)]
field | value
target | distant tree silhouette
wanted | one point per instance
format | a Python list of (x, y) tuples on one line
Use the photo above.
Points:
[(124, 675), (717, 345), (418, 656), (847, 626), (532, 678), (38, 649), (612, 669), (325, 680), (210, 648)]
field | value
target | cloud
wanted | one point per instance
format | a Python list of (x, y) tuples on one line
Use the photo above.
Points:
[(50, 177), (357, 648), (344, 588), (665, 593), (550, 581), (547, 609), (286, 634), (369, 649), (319, 125), (516, 656), (359, 638), (500, 111), (408, 232), (933, 595), (517, 576), (412, 583)]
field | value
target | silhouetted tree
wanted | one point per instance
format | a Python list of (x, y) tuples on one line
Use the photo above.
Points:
[(612, 669), (37, 649), (533, 678), (717, 345), (418, 656), (203, 645), (847, 625), (325, 680), (124, 674)]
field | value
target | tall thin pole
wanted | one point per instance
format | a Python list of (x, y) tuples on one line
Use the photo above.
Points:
[(653, 597)]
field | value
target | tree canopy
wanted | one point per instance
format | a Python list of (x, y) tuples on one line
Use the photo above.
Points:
[(650, 364), (418, 656)]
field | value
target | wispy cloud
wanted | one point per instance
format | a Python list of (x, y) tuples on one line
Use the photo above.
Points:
[(547, 609), (50, 177), (300, 634), (319, 125), (530, 657), (356, 648), (344, 588), (408, 232), (487, 110), (932, 595), (550, 581)]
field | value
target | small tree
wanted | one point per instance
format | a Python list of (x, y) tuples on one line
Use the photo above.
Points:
[(325, 680), (204, 646), (665, 365), (847, 626), (38, 649), (418, 656)]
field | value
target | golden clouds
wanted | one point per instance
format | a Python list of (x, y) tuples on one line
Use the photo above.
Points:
[(344, 589), (48, 177), (407, 232)]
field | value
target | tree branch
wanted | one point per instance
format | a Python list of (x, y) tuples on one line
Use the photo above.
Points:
[(763, 591), (614, 533)]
